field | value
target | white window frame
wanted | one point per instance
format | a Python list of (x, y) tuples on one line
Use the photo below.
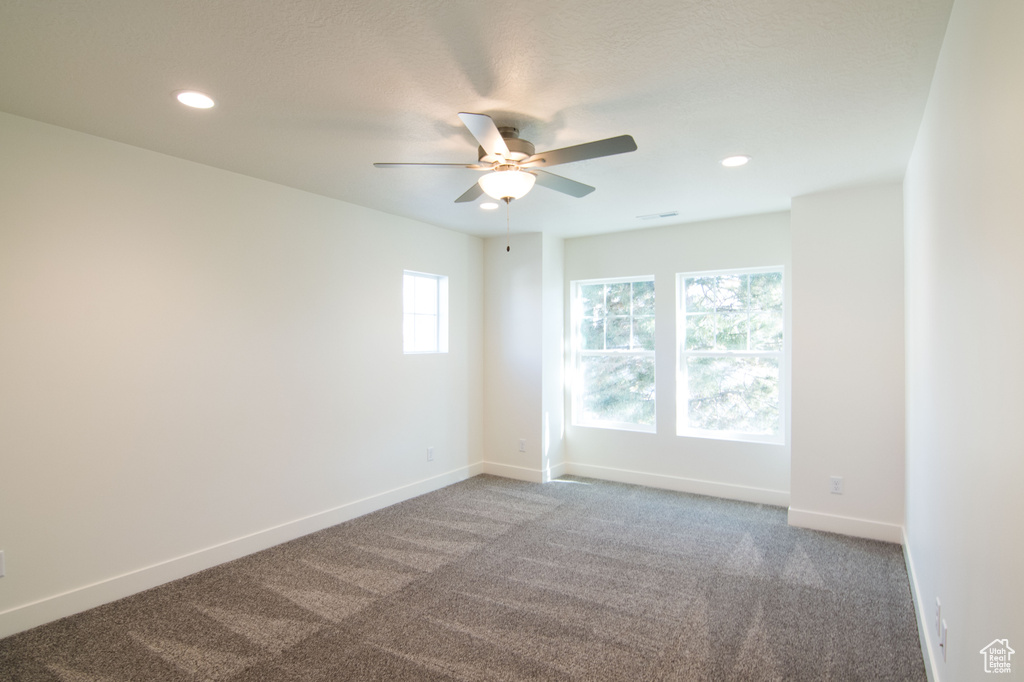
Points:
[(576, 318), (440, 344), (682, 385)]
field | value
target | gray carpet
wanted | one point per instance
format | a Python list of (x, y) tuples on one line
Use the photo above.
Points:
[(493, 579)]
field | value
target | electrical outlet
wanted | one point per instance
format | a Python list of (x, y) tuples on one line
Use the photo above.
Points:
[(430, 453), (943, 640), (522, 445), (2, 571), (835, 485), (938, 617)]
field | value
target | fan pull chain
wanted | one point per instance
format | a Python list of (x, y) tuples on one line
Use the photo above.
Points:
[(508, 239)]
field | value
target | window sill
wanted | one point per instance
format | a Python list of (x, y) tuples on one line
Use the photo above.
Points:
[(756, 438), (616, 426)]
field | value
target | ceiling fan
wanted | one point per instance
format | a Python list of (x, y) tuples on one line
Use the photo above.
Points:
[(513, 166)]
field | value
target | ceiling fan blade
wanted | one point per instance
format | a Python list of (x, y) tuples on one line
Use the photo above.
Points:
[(486, 133), (473, 166), (560, 184), (581, 152), (470, 194)]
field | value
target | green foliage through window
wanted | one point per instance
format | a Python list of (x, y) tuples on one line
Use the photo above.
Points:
[(614, 353), (731, 353), (618, 389)]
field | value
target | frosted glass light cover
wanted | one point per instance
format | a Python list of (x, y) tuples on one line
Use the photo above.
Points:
[(512, 184)]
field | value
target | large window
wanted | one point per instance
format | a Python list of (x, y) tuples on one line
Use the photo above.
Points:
[(613, 353), (730, 339), (425, 313)]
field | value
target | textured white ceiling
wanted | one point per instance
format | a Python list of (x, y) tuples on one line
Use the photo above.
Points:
[(821, 93)]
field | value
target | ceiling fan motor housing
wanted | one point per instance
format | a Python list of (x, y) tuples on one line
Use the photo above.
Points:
[(518, 149)]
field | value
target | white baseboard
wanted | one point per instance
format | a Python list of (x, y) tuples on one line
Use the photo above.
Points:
[(846, 525), (778, 498), (555, 471), (26, 616), (510, 471), (924, 626)]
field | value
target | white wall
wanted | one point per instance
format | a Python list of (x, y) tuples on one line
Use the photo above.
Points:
[(513, 356), (747, 471), (196, 364), (965, 325), (553, 357), (848, 417)]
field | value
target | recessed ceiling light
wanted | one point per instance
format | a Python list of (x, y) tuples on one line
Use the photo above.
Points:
[(733, 161), (488, 206), (191, 98)]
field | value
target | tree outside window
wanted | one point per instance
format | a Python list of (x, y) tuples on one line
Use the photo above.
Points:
[(613, 353), (730, 339)]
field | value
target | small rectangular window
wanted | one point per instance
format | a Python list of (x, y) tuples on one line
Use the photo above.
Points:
[(425, 313), (730, 342), (613, 353)]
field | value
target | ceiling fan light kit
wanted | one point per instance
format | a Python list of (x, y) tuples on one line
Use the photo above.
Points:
[(507, 183)]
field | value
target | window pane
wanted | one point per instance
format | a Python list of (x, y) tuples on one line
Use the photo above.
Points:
[(766, 291), (424, 313), (733, 394), (732, 292), (614, 389), (592, 300), (425, 333), (700, 332), (727, 314), (701, 294), (732, 331), (592, 333), (766, 331), (426, 296), (618, 333), (643, 298), (643, 332), (618, 389), (618, 299)]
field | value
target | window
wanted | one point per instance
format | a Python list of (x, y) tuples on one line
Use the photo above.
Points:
[(613, 353), (730, 339), (425, 319)]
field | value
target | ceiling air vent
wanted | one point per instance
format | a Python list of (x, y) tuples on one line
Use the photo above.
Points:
[(656, 216)]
